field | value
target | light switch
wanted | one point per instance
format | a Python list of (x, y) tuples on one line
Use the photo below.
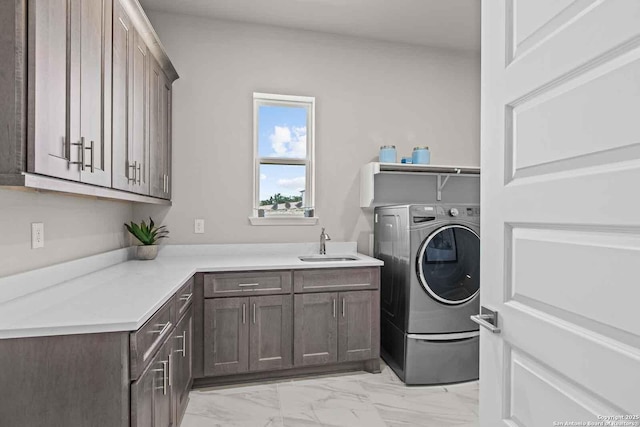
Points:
[(37, 235), (198, 226)]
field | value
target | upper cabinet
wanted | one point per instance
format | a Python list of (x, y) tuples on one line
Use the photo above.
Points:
[(123, 36), (91, 112), (50, 148), (131, 91), (69, 94), (160, 132)]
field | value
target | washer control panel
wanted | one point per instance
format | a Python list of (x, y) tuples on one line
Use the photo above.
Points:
[(426, 213)]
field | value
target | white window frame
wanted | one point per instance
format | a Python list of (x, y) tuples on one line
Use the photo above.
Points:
[(261, 99)]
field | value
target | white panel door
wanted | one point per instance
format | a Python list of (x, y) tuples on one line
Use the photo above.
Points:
[(561, 212)]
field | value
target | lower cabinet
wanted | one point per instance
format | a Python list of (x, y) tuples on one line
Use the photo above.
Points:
[(358, 326), (182, 363), (159, 396), (255, 323), (336, 327), (316, 329), (270, 332), (151, 403), (162, 387), (247, 334)]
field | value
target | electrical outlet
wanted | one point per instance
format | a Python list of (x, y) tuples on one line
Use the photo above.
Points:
[(198, 226), (37, 235)]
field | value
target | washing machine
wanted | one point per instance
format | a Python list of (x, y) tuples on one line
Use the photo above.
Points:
[(429, 287)]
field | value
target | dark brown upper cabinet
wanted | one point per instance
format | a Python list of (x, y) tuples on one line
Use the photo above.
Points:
[(131, 106), (77, 79), (69, 96), (160, 132)]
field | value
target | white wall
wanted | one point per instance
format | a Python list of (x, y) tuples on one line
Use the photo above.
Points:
[(367, 93), (74, 227)]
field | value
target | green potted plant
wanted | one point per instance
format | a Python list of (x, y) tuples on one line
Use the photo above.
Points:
[(148, 235)]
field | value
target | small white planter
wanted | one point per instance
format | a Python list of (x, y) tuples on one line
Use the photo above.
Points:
[(147, 252)]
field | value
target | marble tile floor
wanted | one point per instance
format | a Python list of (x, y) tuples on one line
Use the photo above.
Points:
[(351, 400)]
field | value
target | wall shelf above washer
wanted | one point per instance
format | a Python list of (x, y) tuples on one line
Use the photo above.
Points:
[(439, 174)]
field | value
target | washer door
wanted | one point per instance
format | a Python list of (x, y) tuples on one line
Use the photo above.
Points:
[(449, 264)]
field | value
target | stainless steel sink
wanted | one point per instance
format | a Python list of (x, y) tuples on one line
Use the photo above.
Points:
[(327, 258)]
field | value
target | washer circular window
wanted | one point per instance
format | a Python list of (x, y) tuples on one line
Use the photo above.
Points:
[(449, 264)]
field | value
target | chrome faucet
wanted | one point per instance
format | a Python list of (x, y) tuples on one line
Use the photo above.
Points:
[(323, 238)]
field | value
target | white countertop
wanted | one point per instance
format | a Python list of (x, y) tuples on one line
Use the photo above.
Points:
[(108, 293)]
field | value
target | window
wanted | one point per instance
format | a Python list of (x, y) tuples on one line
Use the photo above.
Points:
[(283, 134)]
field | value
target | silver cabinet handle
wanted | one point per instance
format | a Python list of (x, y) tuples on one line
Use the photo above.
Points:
[(164, 375), (139, 174), (184, 344), (254, 313), (92, 156), (181, 338), (344, 307), (183, 350), (81, 145), (169, 376), (133, 166), (248, 285), (163, 329), (167, 191), (186, 297), (334, 307), (487, 319), (244, 314)]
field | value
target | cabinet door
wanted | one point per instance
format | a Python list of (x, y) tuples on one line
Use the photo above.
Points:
[(142, 398), (270, 332), (163, 415), (139, 123), (123, 163), (315, 329), (182, 367), (151, 404), (50, 148), (157, 149), (159, 135), (94, 46), (165, 127), (358, 326), (226, 336)]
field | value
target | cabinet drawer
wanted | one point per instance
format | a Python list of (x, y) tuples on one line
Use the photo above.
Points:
[(145, 341), (184, 297), (336, 279), (254, 283)]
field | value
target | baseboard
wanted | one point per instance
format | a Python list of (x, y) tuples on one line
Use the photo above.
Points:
[(372, 366)]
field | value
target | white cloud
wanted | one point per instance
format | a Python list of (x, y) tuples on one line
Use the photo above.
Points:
[(289, 141), (263, 177), (296, 183)]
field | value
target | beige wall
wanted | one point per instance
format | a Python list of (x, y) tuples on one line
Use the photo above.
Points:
[(74, 227), (367, 93)]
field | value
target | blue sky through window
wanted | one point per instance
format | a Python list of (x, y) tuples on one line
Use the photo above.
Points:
[(282, 132)]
